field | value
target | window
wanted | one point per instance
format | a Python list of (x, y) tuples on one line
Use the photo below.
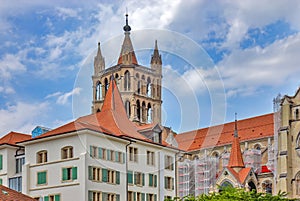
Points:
[(127, 81), (169, 183), (41, 157), (151, 197), (139, 178), (110, 155), (152, 180), (95, 173), (110, 197), (15, 183), (95, 196), (169, 163), (69, 174), (130, 177), (19, 163), (110, 176), (52, 198), (42, 178), (67, 152), (150, 158), (119, 157), (1, 162), (98, 91), (130, 196), (133, 154), (102, 153), (93, 152)]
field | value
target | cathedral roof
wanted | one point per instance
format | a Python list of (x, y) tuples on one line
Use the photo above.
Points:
[(240, 176), (111, 120), (220, 135), (127, 47), (236, 158), (13, 137)]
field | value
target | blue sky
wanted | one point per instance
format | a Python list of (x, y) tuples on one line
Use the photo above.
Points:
[(47, 48)]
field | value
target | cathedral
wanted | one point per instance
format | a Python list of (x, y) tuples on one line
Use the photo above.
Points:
[(121, 151)]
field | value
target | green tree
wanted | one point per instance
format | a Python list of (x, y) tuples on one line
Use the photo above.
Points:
[(234, 194)]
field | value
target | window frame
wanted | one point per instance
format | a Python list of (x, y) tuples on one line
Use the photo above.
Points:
[(71, 176), (42, 157), (46, 178), (67, 152)]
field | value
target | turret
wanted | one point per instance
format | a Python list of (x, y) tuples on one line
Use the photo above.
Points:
[(99, 63), (156, 62)]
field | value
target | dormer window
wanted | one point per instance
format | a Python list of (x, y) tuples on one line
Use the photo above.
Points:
[(41, 157), (67, 152)]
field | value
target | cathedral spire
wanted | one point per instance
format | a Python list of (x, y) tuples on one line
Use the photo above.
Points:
[(99, 62), (156, 57), (127, 55), (236, 158)]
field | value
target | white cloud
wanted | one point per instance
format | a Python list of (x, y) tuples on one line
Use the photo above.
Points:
[(10, 64), (65, 13), (253, 68), (21, 117), (63, 99), (55, 94)]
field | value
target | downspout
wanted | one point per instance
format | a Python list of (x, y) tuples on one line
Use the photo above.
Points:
[(126, 166)]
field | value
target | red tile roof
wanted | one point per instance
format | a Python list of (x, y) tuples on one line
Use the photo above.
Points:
[(111, 120), (7, 194), (249, 129), (127, 49), (240, 176), (13, 137), (236, 158)]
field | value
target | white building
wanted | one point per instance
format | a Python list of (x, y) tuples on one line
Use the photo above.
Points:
[(86, 159)]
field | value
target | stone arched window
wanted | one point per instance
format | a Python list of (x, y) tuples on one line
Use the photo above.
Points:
[(98, 91), (138, 110), (297, 183), (298, 145), (143, 91), (149, 87), (149, 113), (106, 85), (127, 107), (157, 88), (297, 113), (127, 81)]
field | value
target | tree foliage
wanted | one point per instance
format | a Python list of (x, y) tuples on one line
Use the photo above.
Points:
[(235, 194)]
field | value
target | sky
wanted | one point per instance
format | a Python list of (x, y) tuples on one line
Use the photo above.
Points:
[(219, 57)]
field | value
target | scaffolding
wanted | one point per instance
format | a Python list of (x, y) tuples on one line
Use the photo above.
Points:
[(205, 174), (252, 158), (186, 183), (225, 159), (197, 176)]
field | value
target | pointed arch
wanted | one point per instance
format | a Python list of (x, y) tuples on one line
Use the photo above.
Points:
[(127, 108), (252, 186), (149, 114), (149, 87), (106, 84), (267, 186), (127, 82), (98, 91), (138, 110)]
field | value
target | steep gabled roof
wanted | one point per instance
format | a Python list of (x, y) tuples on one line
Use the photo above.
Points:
[(249, 129), (7, 194), (13, 137), (111, 120), (236, 158), (240, 176)]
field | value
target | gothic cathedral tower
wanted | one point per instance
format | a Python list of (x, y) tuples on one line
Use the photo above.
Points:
[(140, 86)]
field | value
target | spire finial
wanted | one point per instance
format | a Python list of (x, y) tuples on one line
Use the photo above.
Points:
[(235, 126), (126, 28)]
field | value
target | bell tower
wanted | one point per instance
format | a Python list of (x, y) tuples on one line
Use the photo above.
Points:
[(139, 86)]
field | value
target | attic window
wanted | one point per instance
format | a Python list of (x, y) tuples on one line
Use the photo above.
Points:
[(4, 192)]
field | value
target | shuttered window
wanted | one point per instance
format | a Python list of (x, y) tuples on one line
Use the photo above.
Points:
[(42, 177)]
